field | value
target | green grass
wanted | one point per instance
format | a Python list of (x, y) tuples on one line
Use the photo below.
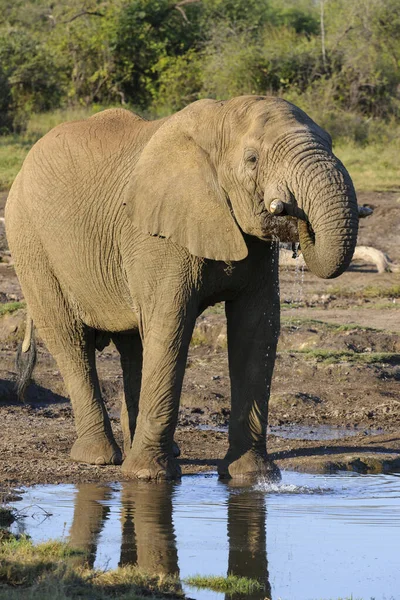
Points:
[(216, 309), (10, 307), (296, 322), (369, 292), (12, 154), (338, 356), (372, 167), (54, 571), (228, 585), (199, 339)]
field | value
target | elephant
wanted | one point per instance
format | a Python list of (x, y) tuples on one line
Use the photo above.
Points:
[(128, 229)]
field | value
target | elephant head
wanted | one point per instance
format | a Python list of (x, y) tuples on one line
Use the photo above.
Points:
[(252, 165)]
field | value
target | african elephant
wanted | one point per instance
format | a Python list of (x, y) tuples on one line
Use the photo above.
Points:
[(128, 229)]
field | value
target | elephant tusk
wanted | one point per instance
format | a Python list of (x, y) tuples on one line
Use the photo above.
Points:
[(276, 207), (285, 209), (26, 344), (364, 211)]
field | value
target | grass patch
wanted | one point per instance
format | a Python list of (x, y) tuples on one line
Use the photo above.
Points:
[(372, 167), (48, 571), (289, 305), (12, 154), (10, 307), (229, 585), (199, 339), (368, 292), (338, 356), (216, 309), (296, 322)]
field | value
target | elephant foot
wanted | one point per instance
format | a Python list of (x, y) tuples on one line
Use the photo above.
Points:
[(176, 451), (151, 467), (96, 452), (249, 467)]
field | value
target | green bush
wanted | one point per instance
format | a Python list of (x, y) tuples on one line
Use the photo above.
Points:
[(159, 56)]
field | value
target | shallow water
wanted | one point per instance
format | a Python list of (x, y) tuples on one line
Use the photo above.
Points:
[(318, 432), (306, 432), (308, 537)]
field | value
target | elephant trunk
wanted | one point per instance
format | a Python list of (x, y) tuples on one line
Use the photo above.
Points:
[(325, 193)]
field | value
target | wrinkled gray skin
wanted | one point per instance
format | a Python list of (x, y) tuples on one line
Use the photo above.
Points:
[(129, 229)]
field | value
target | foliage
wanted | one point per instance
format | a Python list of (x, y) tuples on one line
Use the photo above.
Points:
[(159, 55), (149, 34)]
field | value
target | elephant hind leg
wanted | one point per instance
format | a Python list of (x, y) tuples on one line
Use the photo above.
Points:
[(130, 349), (72, 344)]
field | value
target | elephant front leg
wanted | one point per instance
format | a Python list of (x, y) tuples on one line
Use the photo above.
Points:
[(253, 330), (152, 454)]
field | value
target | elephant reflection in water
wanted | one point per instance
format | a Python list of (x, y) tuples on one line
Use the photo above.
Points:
[(148, 537), (90, 515), (247, 540)]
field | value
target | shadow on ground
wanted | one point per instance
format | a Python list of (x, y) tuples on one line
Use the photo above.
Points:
[(36, 395)]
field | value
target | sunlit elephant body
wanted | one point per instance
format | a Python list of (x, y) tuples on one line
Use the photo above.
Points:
[(129, 229)]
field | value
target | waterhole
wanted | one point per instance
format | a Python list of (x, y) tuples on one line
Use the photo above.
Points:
[(308, 537)]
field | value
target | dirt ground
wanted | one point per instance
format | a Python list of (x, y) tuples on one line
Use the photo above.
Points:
[(337, 373)]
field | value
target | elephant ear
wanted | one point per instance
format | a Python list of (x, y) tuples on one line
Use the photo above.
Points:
[(174, 193)]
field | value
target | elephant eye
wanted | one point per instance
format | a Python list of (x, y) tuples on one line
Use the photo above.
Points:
[(251, 158)]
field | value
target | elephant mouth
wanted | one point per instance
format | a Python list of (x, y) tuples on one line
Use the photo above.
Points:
[(282, 221), (279, 228)]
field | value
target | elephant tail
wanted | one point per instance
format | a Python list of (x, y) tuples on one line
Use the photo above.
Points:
[(26, 359)]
